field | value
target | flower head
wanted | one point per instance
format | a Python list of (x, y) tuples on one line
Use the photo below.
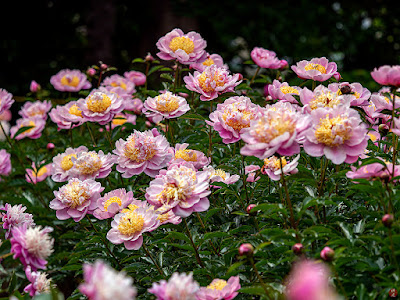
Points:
[(68, 116), (101, 282), (14, 216), (35, 109), (34, 86), (167, 105), (39, 283), (212, 82), (129, 225), (232, 116), (181, 154), (6, 100), (36, 175), (70, 81), (250, 171), (358, 95), (283, 91), (185, 48), (272, 167), (123, 84), (5, 163), (178, 287), (387, 75), (220, 289), (265, 58), (138, 78), (63, 164), (279, 129), (112, 202), (323, 97), (374, 171), (120, 119), (76, 199), (142, 152), (318, 69), (32, 245), (37, 125), (219, 175), (213, 59), (91, 165)]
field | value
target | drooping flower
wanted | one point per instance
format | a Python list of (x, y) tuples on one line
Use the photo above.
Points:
[(250, 171), (101, 282), (35, 175), (39, 283), (272, 167), (265, 58), (180, 286), (6, 100), (337, 133), (279, 129), (91, 165), (76, 199), (231, 117), (35, 109), (129, 225), (70, 81), (120, 82), (62, 164), (322, 97), (142, 152), (387, 75), (32, 245), (213, 59), (14, 216), (318, 69), (283, 91), (185, 48), (37, 124), (167, 105), (101, 106), (219, 175), (309, 280), (212, 82), (220, 289), (5, 163), (68, 116), (355, 91), (182, 154), (138, 78), (180, 188), (112, 202)]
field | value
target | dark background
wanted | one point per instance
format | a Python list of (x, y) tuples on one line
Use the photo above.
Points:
[(39, 38)]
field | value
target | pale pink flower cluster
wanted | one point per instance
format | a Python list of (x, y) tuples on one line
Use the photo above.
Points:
[(323, 97), (283, 91), (112, 203), (123, 84), (359, 96), (213, 59), (179, 286), (372, 171), (220, 289), (39, 283), (62, 164), (138, 78), (91, 165)]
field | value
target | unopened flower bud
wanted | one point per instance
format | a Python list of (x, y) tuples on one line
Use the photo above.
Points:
[(149, 57), (327, 254), (387, 220), (103, 66), (91, 71), (240, 76), (297, 248), (34, 87), (284, 64), (337, 76), (246, 249), (50, 146), (249, 208), (268, 98)]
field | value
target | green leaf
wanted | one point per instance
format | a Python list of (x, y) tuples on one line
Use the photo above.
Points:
[(22, 130)]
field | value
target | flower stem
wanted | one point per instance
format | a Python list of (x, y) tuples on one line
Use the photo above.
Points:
[(108, 136), (204, 227), (193, 244), (288, 201), (176, 76), (392, 249), (152, 259), (91, 134), (259, 277), (255, 75)]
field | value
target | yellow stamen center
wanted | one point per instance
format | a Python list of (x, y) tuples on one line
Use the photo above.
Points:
[(167, 103), (324, 100), (75, 110), (90, 165), (217, 284), (183, 43), (31, 123), (271, 128), (288, 90), (208, 62), (163, 217), (317, 67), (237, 118), (209, 84), (131, 207), (41, 172), (274, 163), (66, 162), (118, 84), (114, 199), (119, 120), (98, 102), (75, 194), (332, 131), (135, 154), (67, 80), (131, 223), (186, 154), (221, 173)]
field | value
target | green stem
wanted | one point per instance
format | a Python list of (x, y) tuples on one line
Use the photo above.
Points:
[(289, 202), (108, 136), (339, 282), (255, 74), (205, 230), (72, 138), (152, 259), (259, 278), (193, 244), (392, 249), (91, 134), (314, 84)]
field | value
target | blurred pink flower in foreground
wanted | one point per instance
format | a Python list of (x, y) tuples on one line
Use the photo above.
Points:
[(39, 284), (14, 216), (387, 75), (220, 289), (179, 286)]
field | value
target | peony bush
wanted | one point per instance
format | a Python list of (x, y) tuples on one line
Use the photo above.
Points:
[(178, 179)]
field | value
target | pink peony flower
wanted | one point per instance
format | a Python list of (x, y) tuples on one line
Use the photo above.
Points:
[(62, 164), (35, 109), (179, 286), (129, 225), (68, 116), (101, 106), (112, 202), (283, 91), (5, 163), (185, 48), (322, 97), (167, 105), (6, 100), (142, 152), (5, 131), (135, 105), (374, 171), (309, 280), (213, 59), (265, 58), (120, 119), (180, 188), (318, 69), (356, 92), (38, 175), (138, 78), (220, 289), (15, 216), (250, 171), (219, 175), (182, 154), (327, 254), (122, 83), (76, 199), (70, 81), (6, 115), (91, 165), (34, 86), (39, 284), (101, 282), (33, 133), (280, 129), (232, 116), (387, 75), (337, 133), (212, 82), (382, 102), (168, 217), (32, 245), (272, 167)]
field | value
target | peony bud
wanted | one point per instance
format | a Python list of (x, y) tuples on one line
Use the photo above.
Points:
[(149, 57), (246, 249), (249, 208), (268, 98), (50, 146), (387, 220), (91, 71), (327, 254), (34, 87), (103, 66), (337, 76), (284, 64), (297, 248)]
